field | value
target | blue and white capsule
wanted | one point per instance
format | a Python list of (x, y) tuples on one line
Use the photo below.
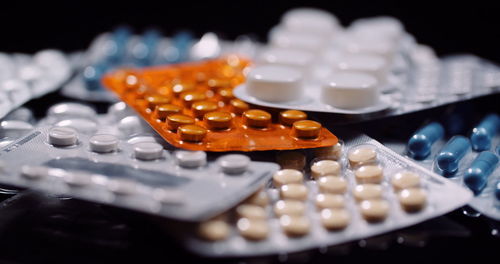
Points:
[(476, 177), (449, 157), (420, 144), (483, 134)]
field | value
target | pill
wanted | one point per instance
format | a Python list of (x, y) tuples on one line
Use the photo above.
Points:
[(103, 143), (238, 107), (483, 134), (164, 110), (295, 226), (168, 196), (234, 163), (369, 174), (192, 133), (34, 172), (176, 120), (14, 128), (306, 129), (200, 108), (328, 200), (420, 144), (296, 40), (325, 167), (257, 118), (367, 191), (251, 211), (412, 199), (148, 151), (190, 159), (214, 230), (332, 184), (371, 64), (334, 152), (274, 83), (288, 117), (122, 186), (309, 20), (287, 176), (82, 125), (498, 149), (179, 88), (361, 156), (71, 110), (405, 179), (476, 176), (188, 98), (497, 192), (300, 60), (253, 229), (289, 207), (131, 125), (63, 136), (450, 155), (350, 90), (374, 210), (291, 160), (259, 198), (75, 179), (155, 100), (335, 219), (218, 120), (293, 191)]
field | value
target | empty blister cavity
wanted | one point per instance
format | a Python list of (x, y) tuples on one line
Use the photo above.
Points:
[(448, 158), (420, 144)]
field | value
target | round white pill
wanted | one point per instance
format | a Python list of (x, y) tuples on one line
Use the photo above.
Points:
[(103, 143), (296, 40), (148, 151), (371, 64), (82, 125), (274, 83), (350, 90), (300, 60), (234, 163), (190, 159), (63, 136), (309, 20), (71, 110), (388, 28)]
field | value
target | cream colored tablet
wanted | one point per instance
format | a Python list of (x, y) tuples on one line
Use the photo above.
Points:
[(253, 229), (334, 152), (291, 160), (293, 191), (405, 180), (369, 174), (251, 211), (413, 199), (367, 192), (295, 226), (325, 167), (335, 219), (327, 200), (374, 210), (214, 230), (259, 198), (361, 156), (289, 207), (287, 176), (332, 184)]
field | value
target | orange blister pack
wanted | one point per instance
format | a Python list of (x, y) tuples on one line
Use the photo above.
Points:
[(192, 106)]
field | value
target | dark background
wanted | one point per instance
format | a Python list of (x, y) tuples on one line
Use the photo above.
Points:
[(459, 26)]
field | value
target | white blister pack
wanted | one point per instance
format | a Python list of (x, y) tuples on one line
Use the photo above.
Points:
[(373, 68), (123, 166), (352, 192), (23, 77)]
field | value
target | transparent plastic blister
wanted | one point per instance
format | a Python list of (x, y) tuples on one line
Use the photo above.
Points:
[(360, 224)]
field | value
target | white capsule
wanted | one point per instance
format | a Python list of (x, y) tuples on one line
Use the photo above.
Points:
[(190, 159)]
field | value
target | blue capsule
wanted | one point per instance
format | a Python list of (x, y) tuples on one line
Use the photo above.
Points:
[(497, 192), (483, 134), (92, 75), (144, 51), (448, 158), (420, 144), (476, 177), (498, 149), (118, 45)]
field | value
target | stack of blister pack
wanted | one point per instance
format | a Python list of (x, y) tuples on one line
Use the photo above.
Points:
[(232, 149)]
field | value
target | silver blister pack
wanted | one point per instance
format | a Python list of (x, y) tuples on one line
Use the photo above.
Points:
[(442, 196), (138, 174)]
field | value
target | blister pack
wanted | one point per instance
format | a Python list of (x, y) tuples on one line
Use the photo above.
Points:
[(192, 106), (349, 192), (23, 77), (372, 68), (470, 161), (135, 173)]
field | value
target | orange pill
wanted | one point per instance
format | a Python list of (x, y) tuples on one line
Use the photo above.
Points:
[(200, 108), (131, 81), (257, 118), (164, 110), (218, 83), (176, 120), (188, 98), (154, 100), (226, 94), (238, 106), (218, 120), (306, 129), (193, 133), (288, 117), (180, 88)]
